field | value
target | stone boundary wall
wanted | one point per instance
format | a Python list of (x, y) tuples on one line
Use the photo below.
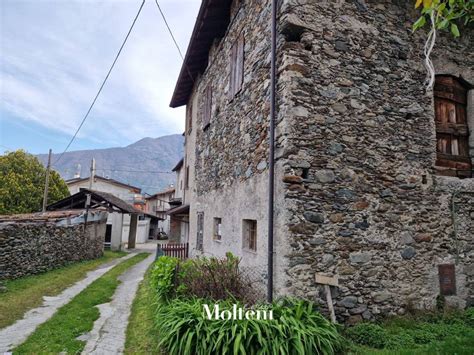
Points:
[(32, 248)]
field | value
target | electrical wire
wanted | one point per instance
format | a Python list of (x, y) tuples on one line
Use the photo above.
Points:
[(174, 40), (103, 84)]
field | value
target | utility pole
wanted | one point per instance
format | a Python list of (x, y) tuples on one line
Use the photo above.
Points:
[(91, 180), (46, 183)]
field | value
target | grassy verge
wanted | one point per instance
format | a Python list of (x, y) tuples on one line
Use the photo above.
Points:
[(27, 292), (451, 333), (141, 335), (77, 317)]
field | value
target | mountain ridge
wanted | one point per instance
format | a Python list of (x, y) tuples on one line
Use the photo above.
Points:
[(146, 163)]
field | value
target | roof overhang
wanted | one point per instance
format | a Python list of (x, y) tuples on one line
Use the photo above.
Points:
[(181, 210), (211, 23)]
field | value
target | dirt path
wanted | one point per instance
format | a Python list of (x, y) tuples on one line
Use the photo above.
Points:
[(19, 331), (108, 334)]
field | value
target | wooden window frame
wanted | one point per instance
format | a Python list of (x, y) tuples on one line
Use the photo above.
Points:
[(452, 127), (207, 109), (237, 60), (217, 232), (249, 234)]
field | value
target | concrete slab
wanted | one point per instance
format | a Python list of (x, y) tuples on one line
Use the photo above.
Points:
[(108, 334)]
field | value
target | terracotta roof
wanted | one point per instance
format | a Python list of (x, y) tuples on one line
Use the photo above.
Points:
[(167, 191), (211, 23), (98, 199), (112, 181)]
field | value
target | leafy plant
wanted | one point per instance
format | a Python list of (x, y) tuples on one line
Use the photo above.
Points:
[(369, 334), (445, 14), (163, 277), (22, 178), (297, 328)]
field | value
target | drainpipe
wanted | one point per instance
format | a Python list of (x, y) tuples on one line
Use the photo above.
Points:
[(271, 170)]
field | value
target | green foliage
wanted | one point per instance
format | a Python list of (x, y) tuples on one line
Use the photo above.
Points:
[(369, 334), (296, 329), (447, 14), (163, 277), (22, 179), (210, 278), (425, 333)]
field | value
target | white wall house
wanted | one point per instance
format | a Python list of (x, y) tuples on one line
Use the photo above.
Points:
[(158, 205), (118, 223)]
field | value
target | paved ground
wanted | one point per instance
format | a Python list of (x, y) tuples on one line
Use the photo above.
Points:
[(108, 334), (18, 332)]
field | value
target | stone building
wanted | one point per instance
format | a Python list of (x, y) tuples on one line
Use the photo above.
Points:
[(374, 180)]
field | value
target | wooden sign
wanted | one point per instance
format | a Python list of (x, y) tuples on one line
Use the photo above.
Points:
[(327, 280), (447, 279)]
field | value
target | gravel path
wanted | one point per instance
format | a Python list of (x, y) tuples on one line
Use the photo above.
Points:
[(108, 334), (19, 331)]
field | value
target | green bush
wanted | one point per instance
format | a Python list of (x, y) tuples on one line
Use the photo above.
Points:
[(296, 329), (469, 317), (163, 277), (210, 278), (369, 334)]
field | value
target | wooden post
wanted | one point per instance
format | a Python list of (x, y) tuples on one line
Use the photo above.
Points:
[(46, 183), (91, 180), (328, 281), (132, 234)]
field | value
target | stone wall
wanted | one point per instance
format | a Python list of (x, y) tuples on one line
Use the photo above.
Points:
[(32, 248), (359, 148)]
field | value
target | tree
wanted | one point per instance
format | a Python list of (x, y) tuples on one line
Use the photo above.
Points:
[(441, 15), (22, 178)]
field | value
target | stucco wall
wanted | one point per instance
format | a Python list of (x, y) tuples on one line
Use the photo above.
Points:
[(32, 248)]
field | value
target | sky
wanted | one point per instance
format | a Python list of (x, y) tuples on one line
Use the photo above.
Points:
[(54, 55)]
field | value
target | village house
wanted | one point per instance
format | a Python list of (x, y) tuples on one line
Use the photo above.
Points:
[(119, 222), (179, 211), (158, 204), (374, 181)]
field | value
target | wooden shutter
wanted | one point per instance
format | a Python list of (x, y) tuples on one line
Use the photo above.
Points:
[(236, 67), (190, 117), (452, 132), (447, 279), (207, 110)]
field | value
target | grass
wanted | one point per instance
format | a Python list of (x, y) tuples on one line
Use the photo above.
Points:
[(141, 335), (77, 317), (449, 333), (27, 292)]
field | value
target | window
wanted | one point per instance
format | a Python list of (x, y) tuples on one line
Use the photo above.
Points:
[(207, 109), (452, 132), (200, 231), (217, 235), (186, 178), (249, 229), (236, 67)]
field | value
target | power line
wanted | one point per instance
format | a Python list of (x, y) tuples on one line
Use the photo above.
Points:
[(174, 40), (103, 84), (137, 171), (169, 30)]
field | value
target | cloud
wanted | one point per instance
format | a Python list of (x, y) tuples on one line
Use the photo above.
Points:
[(55, 55)]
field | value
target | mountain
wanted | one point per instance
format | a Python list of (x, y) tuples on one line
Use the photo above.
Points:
[(143, 164)]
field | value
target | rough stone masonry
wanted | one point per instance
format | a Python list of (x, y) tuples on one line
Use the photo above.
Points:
[(33, 247), (370, 208)]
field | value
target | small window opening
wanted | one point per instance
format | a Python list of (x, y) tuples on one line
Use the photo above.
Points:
[(305, 174)]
